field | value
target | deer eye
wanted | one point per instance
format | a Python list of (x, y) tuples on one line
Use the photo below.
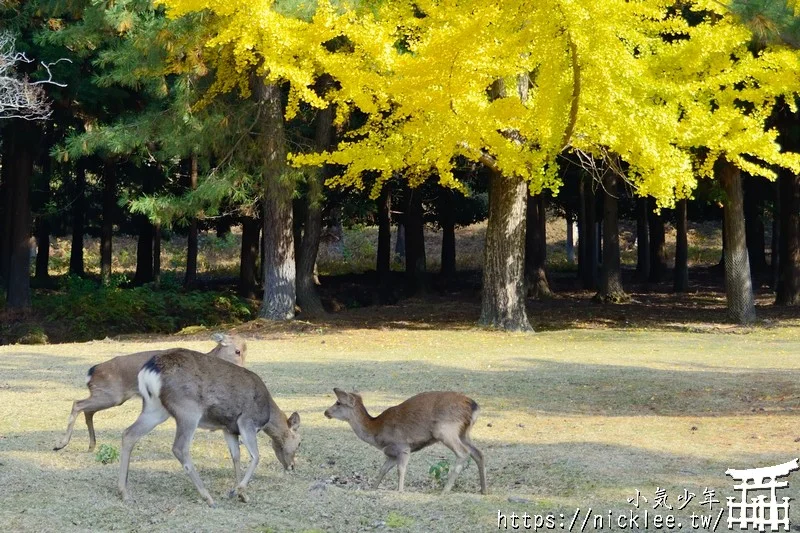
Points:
[(238, 352), (338, 402)]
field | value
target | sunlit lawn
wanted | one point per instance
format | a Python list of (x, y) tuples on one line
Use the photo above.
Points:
[(569, 419)]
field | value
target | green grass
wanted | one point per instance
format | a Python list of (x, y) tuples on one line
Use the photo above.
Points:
[(571, 418)]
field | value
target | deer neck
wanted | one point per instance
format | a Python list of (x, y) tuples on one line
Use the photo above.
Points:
[(364, 425), (278, 426)]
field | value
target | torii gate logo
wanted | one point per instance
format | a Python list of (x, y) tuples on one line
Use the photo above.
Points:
[(760, 512)]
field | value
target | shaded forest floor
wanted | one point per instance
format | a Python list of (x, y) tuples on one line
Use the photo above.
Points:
[(573, 419)]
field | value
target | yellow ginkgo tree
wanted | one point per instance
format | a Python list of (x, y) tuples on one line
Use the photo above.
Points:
[(669, 88)]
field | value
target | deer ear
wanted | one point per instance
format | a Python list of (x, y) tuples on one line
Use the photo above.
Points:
[(294, 421), (343, 397)]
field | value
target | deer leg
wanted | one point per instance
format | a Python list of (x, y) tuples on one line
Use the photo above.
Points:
[(388, 465), (89, 415), (453, 442), (148, 419), (478, 457), (181, 448), (92, 403), (402, 462), (233, 445), (251, 443)]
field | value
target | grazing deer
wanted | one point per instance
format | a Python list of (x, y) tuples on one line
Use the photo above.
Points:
[(113, 382), (212, 394), (429, 417)]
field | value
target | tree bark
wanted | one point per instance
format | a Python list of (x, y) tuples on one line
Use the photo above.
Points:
[(447, 220), (570, 237), (42, 219), (157, 254), (144, 252), (307, 296), (788, 292), (588, 260), (658, 245), (384, 256), (642, 239), (738, 284), (190, 279), (536, 248), (107, 227), (76, 265), (774, 252), (503, 295), (611, 274), (5, 210), (681, 281), (21, 134), (248, 257), (416, 264), (279, 261)]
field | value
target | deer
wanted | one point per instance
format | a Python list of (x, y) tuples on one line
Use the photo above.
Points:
[(209, 393), (418, 422), (113, 382)]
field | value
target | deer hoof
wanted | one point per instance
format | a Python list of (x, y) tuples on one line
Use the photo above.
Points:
[(243, 497)]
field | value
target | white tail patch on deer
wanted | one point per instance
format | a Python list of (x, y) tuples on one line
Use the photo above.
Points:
[(418, 422)]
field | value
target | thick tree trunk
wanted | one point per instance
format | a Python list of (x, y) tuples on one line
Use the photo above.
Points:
[(107, 227), (42, 219), (279, 262), (642, 239), (144, 252), (191, 242), (384, 256), (536, 249), (157, 254), (588, 260), (307, 295), (754, 226), (248, 256), (681, 281), (416, 263), (21, 134), (788, 292), (658, 244), (774, 252), (611, 275), (76, 265), (738, 284), (503, 296), (5, 210), (447, 220)]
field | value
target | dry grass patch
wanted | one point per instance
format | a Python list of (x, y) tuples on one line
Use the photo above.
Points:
[(569, 419)]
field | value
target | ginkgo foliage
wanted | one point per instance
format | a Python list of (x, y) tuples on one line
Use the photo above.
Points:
[(668, 87)]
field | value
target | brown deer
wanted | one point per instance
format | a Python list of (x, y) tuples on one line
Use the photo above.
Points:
[(210, 393), (420, 421), (113, 382)]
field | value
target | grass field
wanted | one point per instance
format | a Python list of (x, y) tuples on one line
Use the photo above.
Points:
[(569, 419)]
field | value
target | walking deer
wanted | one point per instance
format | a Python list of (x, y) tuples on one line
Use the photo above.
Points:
[(420, 421), (113, 382), (212, 394)]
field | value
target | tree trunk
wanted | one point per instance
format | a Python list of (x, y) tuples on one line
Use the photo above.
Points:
[(588, 260), (658, 245), (789, 246), (384, 259), (279, 262), (21, 134), (642, 239), (754, 226), (536, 248), (191, 242), (5, 210), (42, 219), (157, 254), (447, 220), (738, 285), (503, 295), (144, 252), (248, 257), (76, 266), (681, 281), (307, 295), (774, 252), (611, 275), (107, 227), (416, 264)]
